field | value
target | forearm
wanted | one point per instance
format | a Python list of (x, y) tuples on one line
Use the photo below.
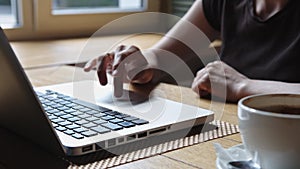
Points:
[(251, 87), (169, 48), (188, 40)]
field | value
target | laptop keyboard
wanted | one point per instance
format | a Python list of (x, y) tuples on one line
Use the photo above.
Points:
[(81, 119)]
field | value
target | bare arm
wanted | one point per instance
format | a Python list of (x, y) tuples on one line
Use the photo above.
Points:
[(252, 86), (192, 23), (130, 61), (221, 80)]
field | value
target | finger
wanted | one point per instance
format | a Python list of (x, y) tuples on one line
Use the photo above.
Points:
[(128, 56), (118, 86), (200, 75), (103, 68), (201, 84), (120, 48), (94, 63), (90, 65), (203, 93), (118, 79)]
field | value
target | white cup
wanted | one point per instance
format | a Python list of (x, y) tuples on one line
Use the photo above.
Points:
[(273, 137)]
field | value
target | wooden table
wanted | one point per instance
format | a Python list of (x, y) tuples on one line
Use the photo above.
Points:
[(36, 54), (45, 62), (198, 156)]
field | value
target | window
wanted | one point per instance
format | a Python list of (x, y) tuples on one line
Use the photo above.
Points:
[(36, 19), (66, 4), (180, 7), (96, 6), (9, 14)]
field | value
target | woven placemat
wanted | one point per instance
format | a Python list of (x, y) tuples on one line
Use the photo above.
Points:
[(223, 129)]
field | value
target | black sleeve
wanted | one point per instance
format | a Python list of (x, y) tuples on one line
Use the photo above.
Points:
[(213, 10)]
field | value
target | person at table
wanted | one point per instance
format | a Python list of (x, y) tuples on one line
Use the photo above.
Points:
[(260, 50)]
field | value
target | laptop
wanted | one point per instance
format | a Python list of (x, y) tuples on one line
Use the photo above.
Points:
[(78, 118)]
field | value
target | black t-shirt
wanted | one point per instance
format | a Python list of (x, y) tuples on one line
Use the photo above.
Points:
[(268, 50)]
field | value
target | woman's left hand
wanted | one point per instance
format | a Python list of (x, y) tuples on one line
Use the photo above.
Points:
[(221, 80)]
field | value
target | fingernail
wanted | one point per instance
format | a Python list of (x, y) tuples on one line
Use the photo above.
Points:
[(86, 69), (114, 73)]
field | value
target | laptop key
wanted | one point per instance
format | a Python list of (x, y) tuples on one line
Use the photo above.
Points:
[(60, 128), (108, 117), (77, 113), (60, 113), (89, 125), (48, 108), (58, 101), (67, 116), (49, 92), (100, 121), (89, 133), (64, 123), (81, 122), (116, 120), (52, 104), (53, 111), (70, 111), (85, 109), (52, 117), (99, 115), (68, 98), (126, 124), (73, 119), (92, 118), (112, 126), (65, 102), (77, 107), (131, 118), (92, 112), (71, 105), (50, 98), (63, 108), (77, 136), (69, 132), (47, 103), (81, 129), (72, 126), (58, 120), (100, 129), (56, 105), (112, 113), (140, 121), (121, 116), (84, 116)]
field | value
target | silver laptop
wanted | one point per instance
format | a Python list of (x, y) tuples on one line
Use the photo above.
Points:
[(83, 117)]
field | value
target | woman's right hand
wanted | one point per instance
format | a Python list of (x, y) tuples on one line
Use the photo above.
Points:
[(125, 64)]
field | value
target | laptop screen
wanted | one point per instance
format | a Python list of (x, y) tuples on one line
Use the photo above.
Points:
[(20, 110)]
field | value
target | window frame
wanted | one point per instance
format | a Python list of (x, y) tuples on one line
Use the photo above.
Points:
[(39, 22), (15, 12), (104, 10), (25, 26)]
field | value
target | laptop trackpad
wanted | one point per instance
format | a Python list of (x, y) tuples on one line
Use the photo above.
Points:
[(128, 97), (136, 104)]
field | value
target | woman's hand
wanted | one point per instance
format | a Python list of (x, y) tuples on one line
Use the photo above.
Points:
[(221, 80), (125, 64)]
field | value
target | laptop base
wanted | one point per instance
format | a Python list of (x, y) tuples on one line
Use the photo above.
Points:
[(137, 145)]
